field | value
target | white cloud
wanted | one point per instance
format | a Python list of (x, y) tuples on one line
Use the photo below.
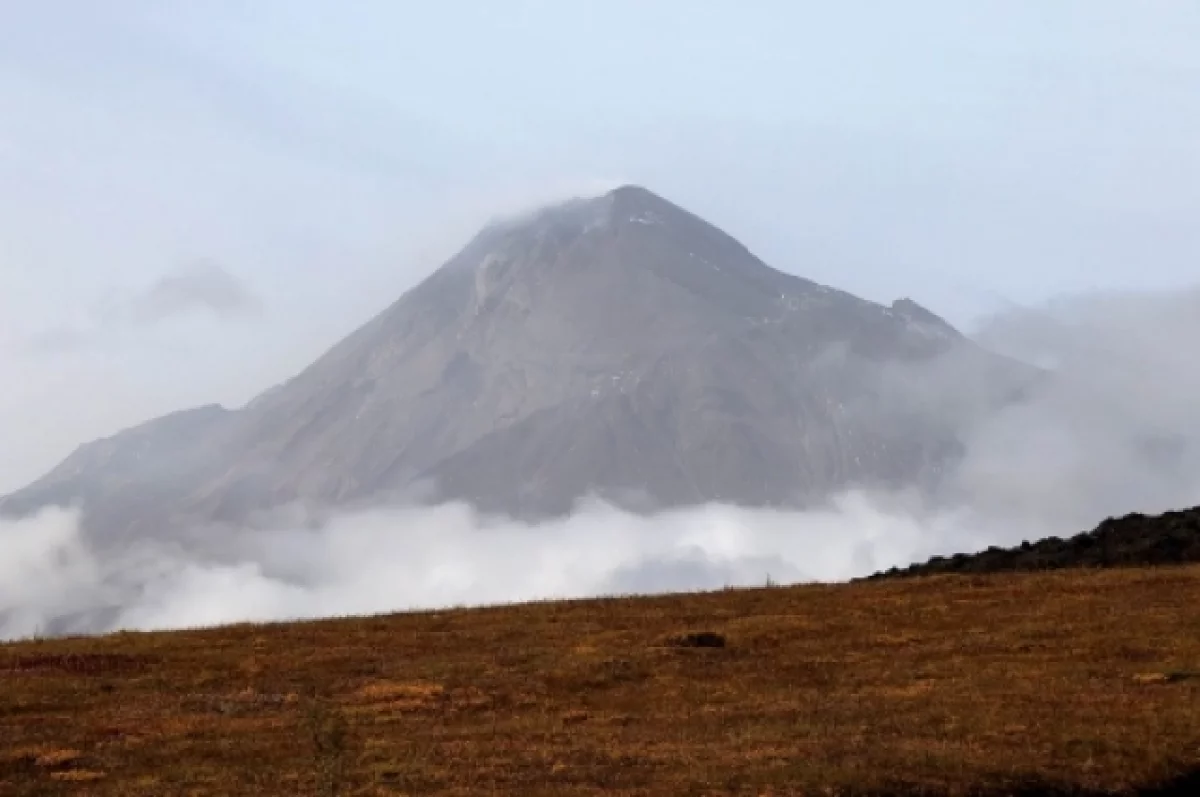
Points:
[(388, 559)]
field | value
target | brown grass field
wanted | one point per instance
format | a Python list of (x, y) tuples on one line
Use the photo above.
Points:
[(1076, 682)]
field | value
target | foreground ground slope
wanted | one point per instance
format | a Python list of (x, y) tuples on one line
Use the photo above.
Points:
[(1172, 538), (1085, 681)]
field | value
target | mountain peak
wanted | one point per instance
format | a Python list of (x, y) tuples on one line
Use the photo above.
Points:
[(633, 204), (624, 204), (560, 224), (631, 193), (632, 189)]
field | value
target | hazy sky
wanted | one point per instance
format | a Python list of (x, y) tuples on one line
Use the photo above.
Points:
[(195, 199)]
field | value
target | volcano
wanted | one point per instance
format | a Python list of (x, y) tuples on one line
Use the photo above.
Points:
[(615, 346)]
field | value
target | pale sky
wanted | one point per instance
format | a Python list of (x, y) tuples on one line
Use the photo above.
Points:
[(196, 199)]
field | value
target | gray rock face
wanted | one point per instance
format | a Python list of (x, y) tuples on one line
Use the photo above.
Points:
[(618, 346), (132, 480)]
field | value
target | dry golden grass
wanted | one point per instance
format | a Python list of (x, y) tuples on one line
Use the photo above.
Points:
[(954, 685)]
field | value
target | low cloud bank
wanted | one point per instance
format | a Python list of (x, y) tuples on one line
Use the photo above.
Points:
[(1115, 429), (402, 558)]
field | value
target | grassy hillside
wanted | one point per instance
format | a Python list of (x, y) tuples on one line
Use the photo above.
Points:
[(1084, 681)]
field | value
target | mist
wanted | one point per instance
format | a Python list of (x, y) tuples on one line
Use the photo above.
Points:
[(1114, 428), (395, 558)]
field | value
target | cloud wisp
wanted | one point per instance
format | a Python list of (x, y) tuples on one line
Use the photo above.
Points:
[(202, 288)]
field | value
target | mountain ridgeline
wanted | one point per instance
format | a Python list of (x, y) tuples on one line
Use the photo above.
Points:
[(617, 346)]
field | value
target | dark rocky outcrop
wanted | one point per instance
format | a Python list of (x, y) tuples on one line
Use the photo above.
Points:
[(1135, 540)]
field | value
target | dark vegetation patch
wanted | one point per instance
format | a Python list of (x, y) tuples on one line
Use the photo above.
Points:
[(1184, 785), (698, 639), (1135, 540), (76, 663)]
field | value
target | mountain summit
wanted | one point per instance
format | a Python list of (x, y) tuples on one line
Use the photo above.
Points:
[(617, 346)]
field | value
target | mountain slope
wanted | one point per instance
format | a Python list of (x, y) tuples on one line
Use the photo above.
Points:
[(619, 346), (131, 480)]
